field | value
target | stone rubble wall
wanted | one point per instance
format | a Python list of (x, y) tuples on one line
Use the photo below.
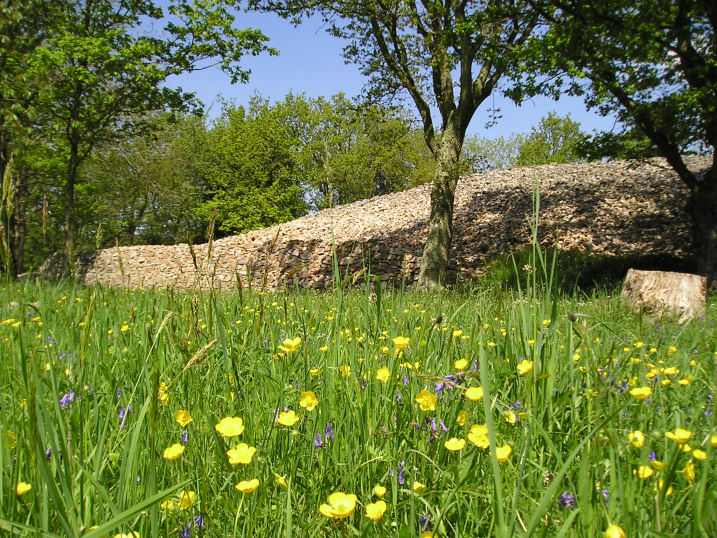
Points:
[(616, 208)]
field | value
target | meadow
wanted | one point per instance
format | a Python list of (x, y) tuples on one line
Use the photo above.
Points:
[(489, 411)]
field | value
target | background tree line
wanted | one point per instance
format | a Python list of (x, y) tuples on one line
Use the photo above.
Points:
[(249, 167)]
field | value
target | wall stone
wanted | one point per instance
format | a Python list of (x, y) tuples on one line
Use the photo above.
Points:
[(616, 208)]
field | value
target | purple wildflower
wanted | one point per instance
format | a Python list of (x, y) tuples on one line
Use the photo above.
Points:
[(425, 523), (567, 500), (401, 472), (48, 454), (329, 433), (185, 437), (123, 416), (119, 393), (199, 522), (186, 532), (318, 443), (67, 399)]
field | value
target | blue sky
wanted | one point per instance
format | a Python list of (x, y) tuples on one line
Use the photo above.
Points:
[(310, 62)]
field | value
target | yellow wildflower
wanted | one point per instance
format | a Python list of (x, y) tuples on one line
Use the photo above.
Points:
[(426, 401), (375, 510), (340, 505), (290, 345), (287, 418), (248, 486), (173, 452), (241, 454), (308, 400), (230, 426)]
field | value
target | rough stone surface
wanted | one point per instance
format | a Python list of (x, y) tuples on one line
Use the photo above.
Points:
[(663, 292), (616, 208)]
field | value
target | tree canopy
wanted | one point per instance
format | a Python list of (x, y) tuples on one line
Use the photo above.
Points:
[(654, 65)]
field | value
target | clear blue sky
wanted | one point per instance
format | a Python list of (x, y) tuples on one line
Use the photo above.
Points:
[(310, 62)]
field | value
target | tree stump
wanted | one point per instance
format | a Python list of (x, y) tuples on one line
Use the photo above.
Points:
[(662, 292)]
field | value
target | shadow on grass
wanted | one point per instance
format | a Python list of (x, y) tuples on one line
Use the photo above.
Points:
[(577, 271)]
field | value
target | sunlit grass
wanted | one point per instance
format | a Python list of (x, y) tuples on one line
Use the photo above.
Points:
[(120, 409)]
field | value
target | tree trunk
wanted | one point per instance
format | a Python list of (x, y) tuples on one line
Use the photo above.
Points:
[(702, 207), (440, 226), (70, 218), (18, 232)]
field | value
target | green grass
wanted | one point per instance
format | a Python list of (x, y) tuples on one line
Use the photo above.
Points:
[(218, 356)]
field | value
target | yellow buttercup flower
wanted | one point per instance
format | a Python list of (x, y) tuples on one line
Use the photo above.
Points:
[(280, 480), (461, 419), (689, 471), (614, 531), (287, 418), (645, 471), (383, 374), (474, 394), (22, 488), (345, 370), (241, 454), (460, 364), (173, 452), (457, 333), (525, 366), (700, 455), (308, 400), (657, 465), (419, 488), (290, 345), (183, 417), (636, 438), (375, 510), (186, 498), (641, 392), (455, 445), (340, 505), (713, 441), (401, 342), (379, 491), (426, 401), (680, 435), (510, 416), (248, 486), (230, 426), (163, 393), (479, 436), (503, 453)]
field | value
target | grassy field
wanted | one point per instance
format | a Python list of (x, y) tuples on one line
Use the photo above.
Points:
[(487, 412)]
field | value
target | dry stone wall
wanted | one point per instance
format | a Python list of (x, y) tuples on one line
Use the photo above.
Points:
[(616, 208)]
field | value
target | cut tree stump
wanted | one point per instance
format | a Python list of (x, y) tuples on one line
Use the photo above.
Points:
[(662, 292)]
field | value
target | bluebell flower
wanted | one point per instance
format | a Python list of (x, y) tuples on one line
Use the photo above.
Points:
[(67, 399), (567, 500)]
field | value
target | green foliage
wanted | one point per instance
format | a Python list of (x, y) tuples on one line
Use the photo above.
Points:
[(251, 179), (553, 140), (145, 189)]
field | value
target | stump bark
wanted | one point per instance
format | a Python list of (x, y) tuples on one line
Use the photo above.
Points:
[(662, 292)]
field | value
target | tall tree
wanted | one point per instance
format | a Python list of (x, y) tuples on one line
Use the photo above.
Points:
[(654, 64), (106, 67), (448, 56), (24, 26)]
